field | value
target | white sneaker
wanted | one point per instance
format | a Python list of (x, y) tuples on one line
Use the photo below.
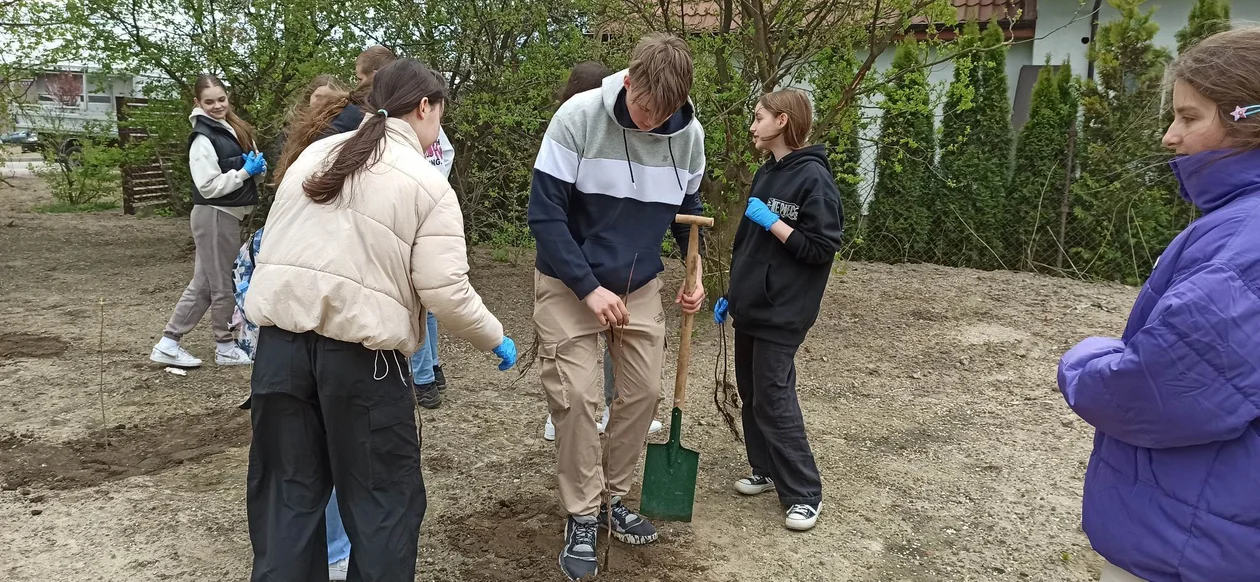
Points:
[(549, 430), (655, 428), (754, 485), (234, 357), (339, 570), (802, 517), (180, 358), (603, 423)]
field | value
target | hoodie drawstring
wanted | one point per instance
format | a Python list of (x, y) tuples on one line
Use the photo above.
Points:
[(674, 163), (626, 142)]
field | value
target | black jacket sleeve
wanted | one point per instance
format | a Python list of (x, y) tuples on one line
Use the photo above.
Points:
[(820, 227), (350, 118)]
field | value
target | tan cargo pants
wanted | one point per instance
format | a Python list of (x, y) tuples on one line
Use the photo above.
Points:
[(571, 377)]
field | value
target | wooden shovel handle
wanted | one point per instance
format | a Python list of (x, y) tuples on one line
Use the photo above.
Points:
[(693, 265)]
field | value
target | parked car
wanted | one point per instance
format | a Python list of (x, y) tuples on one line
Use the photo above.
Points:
[(27, 139)]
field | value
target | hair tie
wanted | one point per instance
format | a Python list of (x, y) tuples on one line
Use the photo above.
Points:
[(1240, 112), (383, 112)]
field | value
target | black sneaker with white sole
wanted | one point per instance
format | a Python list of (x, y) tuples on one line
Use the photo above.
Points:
[(578, 558), (627, 526), (754, 485), (802, 516), (428, 396)]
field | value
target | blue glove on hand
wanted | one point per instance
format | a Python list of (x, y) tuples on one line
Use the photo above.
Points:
[(759, 213), (255, 164), (507, 351), (719, 310)]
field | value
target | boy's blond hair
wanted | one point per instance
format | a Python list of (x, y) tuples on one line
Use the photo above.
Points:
[(661, 73)]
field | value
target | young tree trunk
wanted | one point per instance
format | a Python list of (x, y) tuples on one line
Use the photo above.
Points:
[(1066, 206)]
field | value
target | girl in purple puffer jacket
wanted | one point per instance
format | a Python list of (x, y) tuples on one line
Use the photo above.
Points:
[(1172, 492)]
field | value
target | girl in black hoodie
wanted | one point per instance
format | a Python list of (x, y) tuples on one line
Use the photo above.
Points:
[(782, 258)]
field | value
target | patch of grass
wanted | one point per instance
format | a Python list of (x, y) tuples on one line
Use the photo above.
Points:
[(67, 208)]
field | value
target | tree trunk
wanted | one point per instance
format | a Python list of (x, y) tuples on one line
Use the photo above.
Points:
[(1066, 205)]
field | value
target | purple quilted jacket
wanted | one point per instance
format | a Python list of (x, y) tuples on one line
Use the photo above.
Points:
[(1172, 492)]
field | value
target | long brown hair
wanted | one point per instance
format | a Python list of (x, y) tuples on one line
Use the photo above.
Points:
[(244, 131), (1225, 68), (800, 115), (397, 89), (307, 124), (586, 75)]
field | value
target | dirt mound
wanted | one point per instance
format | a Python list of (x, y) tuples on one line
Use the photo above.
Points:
[(526, 551), (131, 450), (29, 345)]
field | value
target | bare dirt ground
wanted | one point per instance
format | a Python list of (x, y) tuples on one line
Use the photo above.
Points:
[(929, 394)]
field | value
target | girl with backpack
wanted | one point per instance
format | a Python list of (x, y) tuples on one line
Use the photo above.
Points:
[(364, 238), (226, 169), (1172, 489), (780, 264)]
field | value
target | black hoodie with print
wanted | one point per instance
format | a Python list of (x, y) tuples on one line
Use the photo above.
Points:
[(775, 287)]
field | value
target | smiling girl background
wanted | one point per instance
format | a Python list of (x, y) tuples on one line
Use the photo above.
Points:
[(226, 169)]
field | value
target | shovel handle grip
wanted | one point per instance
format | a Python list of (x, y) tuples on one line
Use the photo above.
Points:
[(693, 266)]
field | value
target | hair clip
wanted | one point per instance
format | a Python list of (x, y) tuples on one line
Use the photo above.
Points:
[(386, 113), (1241, 112)]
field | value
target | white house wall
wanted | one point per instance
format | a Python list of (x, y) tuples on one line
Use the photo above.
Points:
[(1061, 27)]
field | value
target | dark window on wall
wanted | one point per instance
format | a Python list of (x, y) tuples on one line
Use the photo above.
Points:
[(1023, 93), (105, 99)]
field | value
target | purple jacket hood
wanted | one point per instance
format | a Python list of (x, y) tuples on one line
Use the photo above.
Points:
[(1172, 491)]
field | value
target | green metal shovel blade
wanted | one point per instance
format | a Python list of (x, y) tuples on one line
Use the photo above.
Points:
[(669, 477)]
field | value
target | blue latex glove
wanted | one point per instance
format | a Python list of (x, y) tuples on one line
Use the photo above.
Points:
[(507, 351), (719, 311), (759, 213), (255, 164)]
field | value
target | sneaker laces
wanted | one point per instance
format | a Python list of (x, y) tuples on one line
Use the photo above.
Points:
[(622, 516), (584, 534), (802, 510)]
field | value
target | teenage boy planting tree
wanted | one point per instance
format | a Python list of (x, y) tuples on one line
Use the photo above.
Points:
[(615, 167)]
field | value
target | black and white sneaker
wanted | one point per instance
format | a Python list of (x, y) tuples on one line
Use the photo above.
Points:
[(627, 526), (577, 559), (754, 485), (427, 395), (802, 516)]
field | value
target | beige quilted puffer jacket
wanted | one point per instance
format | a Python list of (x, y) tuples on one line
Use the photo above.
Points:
[(365, 268)]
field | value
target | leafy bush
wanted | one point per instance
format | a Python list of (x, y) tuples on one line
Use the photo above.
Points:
[(84, 174), (902, 216), (1041, 158)]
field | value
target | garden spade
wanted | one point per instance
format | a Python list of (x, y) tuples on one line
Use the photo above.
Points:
[(669, 471)]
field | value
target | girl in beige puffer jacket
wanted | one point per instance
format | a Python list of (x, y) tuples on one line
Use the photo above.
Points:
[(363, 238)]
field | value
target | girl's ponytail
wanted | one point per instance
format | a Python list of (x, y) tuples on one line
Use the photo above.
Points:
[(244, 131), (397, 89)]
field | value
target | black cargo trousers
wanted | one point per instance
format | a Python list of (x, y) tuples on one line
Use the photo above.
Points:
[(328, 412)]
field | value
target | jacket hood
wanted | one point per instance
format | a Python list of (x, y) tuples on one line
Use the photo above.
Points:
[(615, 85), (1213, 179), (199, 112), (815, 154)]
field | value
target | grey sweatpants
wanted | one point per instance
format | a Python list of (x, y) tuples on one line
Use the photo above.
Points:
[(217, 235)]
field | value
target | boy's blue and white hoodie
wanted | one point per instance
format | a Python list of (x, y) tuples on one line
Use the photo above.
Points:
[(604, 192)]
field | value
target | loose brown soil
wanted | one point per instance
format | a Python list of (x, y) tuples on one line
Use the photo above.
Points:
[(929, 395)]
